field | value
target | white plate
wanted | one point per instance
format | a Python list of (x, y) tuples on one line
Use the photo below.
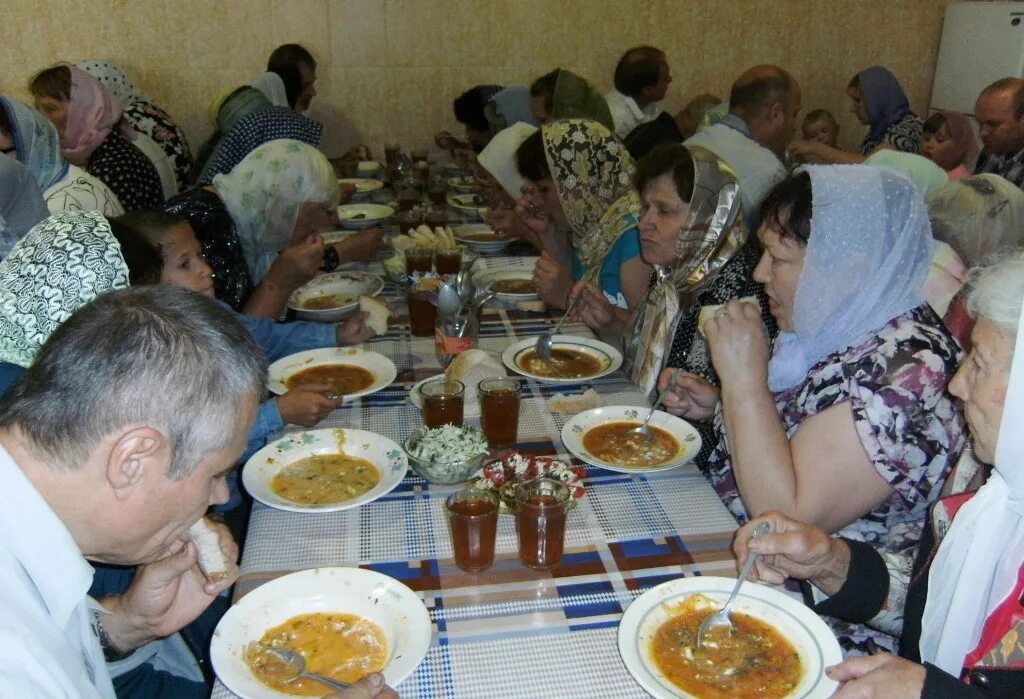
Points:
[(382, 368), (462, 183), (581, 423), (351, 284), (470, 408), (369, 168), (382, 452), (373, 214), (363, 185), (610, 358), (489, 277), (494, 242), (464, 203), (396, 609), (809, 635), (336, 236)]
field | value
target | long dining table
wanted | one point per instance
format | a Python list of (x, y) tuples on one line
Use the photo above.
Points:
[(509, 631)]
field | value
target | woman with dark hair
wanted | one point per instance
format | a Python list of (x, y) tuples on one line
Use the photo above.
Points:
[(94, 136), (581, 206), (845, 422)]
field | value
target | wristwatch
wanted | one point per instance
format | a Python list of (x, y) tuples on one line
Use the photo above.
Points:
[(331, 259)]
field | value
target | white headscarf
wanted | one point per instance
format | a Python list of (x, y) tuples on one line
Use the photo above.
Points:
[(499, 156), (978, 216), (272, 87), (263, 194), (978, 561), (868, 255)]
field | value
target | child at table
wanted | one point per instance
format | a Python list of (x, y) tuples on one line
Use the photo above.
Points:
[(820, 125)]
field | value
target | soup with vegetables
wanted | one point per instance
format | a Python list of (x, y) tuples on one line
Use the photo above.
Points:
[(564, 363), (616, 443), (325, 479), (752, 661), (342, 378), (344, 647)]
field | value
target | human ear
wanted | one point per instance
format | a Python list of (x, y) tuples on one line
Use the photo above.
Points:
[(136, 455)]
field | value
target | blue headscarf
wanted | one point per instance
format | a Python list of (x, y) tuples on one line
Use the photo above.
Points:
[(512, 105), (884, 99), (21, 203), (867, 258), (36, 142)]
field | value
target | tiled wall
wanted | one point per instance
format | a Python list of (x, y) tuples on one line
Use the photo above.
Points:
[(390, 68)]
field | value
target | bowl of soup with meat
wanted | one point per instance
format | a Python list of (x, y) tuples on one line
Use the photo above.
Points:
[(345, 373), (331, 297), (573, 359), (347, 622), (607, 437), (779, 648)]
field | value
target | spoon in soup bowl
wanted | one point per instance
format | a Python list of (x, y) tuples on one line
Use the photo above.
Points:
[(644, 430), (292, 666), (721, 618)]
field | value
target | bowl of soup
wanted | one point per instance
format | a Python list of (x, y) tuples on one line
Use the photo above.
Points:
[(328, 298), (606, 437), (511, 285), (779, 648), (345, 372), (347, 622), (480, 237), (573, 359), (324, 470)]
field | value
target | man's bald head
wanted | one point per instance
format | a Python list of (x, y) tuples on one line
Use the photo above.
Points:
[(1000, 114), (643, 74), (767, 98)]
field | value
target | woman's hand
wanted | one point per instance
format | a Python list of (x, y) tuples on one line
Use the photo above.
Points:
[(370, 687), (881, 676), (297, 264), (594, 309), (552, 280), (354, 330), (692, 397), (738, 346), (306, 405), (530, 215), (360, 247), (794, 549), (807, 151)]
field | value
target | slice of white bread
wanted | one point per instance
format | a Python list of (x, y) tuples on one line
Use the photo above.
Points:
[(709, 312), (471, 367), (212, 561), (571, 405), (377, 313)]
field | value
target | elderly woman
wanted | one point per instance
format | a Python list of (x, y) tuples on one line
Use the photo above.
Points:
[(880, 104), (949, 141), (561, 94), (95, 137), (275, 201), (955, 601), (35, 143), (845, 423), (581, 203), (692, 232)]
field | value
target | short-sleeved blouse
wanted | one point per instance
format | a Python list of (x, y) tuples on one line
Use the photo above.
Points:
[(903, 135), (909, 426), (609, 278), (215, 231), (128, 173)]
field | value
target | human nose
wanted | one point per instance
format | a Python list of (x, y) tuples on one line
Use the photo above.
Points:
[(958, 385), (761, 275)]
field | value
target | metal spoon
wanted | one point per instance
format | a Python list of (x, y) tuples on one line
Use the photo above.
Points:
[(721, 618), (643, 430), (297, 662), (546, 340), (448, 301)]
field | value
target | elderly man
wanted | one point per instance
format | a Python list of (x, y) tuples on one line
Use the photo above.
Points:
[(751, 138), (111, 446), (294, 57), (641, 81), (1000, 114)]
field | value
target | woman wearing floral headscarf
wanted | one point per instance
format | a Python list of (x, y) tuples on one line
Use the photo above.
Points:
[(581, 202), (92, 135), (65, 187)]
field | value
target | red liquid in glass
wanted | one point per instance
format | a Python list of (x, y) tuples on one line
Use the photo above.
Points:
[(474, 526), (499, 417), (541, 523)]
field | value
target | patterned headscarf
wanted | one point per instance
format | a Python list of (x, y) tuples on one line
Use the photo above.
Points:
[(36, 142), (980, 217), (884, 99), (263, 194), (866, 262), (575, 98), (92, 112), (114, 79), (62, 264), (593, 176), (709, 238)]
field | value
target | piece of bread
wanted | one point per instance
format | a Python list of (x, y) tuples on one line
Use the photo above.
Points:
[(588, 400), (212, 561), (471, 367), (377, 314), (709, 312)]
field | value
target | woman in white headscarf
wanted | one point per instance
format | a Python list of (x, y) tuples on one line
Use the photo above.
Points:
[(955, 600)]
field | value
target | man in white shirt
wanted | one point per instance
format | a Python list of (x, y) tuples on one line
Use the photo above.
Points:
[(641, 81), (112, 445)]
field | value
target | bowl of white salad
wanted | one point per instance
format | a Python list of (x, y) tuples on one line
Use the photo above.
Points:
[(446, 455)]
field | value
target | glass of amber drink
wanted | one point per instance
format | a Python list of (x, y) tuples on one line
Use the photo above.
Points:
[(541, 506), (499, 411), (442, 402), (473, 519)]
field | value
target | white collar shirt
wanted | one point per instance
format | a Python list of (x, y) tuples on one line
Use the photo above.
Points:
[(626, 113)]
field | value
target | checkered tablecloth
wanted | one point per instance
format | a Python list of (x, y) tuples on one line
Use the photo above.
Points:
[(509, 631)]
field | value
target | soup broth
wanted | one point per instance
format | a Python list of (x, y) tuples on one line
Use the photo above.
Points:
[(563, 364), (322, 302), (325, 479), (752, 661), (514, 286), (342, 378), (616, 444), (344, 647)]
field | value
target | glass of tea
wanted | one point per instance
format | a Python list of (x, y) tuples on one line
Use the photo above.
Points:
[(419, 259), (391, 150), (407, 220), (436, 216), (437, 189), (473, 519), (499, 410), (442, 402), (449, 260), (540, 520), (422, 311)]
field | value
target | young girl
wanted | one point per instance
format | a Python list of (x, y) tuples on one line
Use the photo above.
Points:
[(948, 141)]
